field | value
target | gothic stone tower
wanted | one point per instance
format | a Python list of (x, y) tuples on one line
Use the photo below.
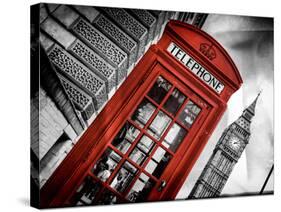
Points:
[(228, 150)]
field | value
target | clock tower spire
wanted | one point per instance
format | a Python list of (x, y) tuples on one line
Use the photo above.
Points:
[(225, 155)]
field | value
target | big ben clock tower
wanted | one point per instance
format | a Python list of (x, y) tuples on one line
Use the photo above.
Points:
[(227, 152)]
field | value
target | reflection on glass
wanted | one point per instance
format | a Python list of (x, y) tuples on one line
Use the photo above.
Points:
[(86, 194), (106, 164), (159, 154), (189, 114), (143, 112), (107, 198), (174, 101), (137, 156), (126, 135), (124, 177), (159, 89), (145, 144), (159, 125), (151, 166), (141, 189), (174, 137), (158, 163)]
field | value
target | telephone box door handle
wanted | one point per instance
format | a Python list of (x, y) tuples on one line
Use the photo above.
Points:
[(162, 185)]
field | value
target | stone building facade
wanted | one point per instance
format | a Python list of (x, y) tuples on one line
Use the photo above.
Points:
[(82, 56)]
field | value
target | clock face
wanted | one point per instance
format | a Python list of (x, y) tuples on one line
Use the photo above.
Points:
[(234, 143)]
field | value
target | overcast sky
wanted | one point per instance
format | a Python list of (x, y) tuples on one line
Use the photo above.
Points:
[(249, 41)]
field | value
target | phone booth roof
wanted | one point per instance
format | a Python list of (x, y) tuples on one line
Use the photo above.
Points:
[(204, 47)]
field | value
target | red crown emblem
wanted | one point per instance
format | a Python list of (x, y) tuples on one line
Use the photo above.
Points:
[(208, 50)]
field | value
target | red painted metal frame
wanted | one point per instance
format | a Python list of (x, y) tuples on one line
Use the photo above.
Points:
[(63, 183)]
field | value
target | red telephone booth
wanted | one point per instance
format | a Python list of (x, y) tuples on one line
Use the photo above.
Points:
[(144, 143)]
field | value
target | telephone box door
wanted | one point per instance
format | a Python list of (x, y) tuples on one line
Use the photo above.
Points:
[(138, 161)]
